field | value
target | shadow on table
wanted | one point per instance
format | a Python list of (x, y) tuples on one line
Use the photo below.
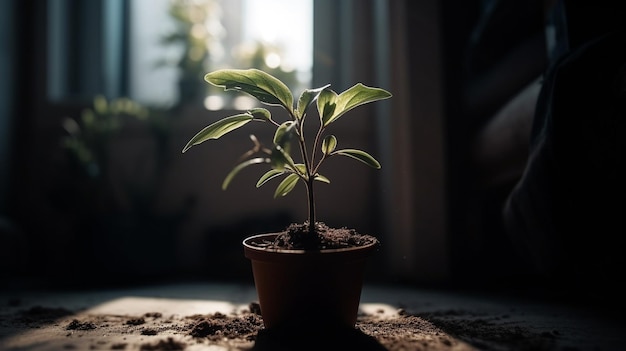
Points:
[(293, 338)]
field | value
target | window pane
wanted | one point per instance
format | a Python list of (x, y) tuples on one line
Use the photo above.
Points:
[(75, 49), (174, 43)]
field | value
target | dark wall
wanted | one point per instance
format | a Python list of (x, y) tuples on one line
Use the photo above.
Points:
[(493, 50), (551, 75)]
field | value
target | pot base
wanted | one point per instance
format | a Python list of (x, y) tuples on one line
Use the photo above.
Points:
[(303, 287)]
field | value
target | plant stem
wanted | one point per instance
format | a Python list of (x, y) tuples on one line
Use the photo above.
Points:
[(309, 183), (311, 197)]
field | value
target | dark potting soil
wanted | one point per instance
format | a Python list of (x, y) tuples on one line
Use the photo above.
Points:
[(297, 237)]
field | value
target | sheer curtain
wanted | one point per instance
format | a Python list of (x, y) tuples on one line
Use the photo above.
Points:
[(6, 98), (396, 45)]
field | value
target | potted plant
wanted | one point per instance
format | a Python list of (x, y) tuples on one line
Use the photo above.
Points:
[(309, 272)]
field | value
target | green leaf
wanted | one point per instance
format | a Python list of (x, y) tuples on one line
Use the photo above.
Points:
[(301, 169), (218, 129), (306, 98), (261, 114), (326, 104), (359, 155), (239, 167), (280, 158), (334, 106), (283, 133), (321, 178), (271, 174), (263, 86), (287, 185), (329, 144)]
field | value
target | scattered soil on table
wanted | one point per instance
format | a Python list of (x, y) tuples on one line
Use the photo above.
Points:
[(76, 325), (219, 326), (441, 330)]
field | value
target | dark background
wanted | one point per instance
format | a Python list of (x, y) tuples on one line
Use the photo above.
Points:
[(60, 228)]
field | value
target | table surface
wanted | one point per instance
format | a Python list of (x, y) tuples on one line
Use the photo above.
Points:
[(42, 320)]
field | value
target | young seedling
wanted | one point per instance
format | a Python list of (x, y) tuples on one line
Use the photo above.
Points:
[(269, 90)]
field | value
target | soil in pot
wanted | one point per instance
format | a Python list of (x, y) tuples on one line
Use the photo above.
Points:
[(297, 237)]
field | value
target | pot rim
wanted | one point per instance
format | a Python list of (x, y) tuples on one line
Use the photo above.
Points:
[(254, 252)]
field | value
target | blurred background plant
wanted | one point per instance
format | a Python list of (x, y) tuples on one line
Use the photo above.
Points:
[(200, 41), (113, 190), (88, 137), (197, 34)]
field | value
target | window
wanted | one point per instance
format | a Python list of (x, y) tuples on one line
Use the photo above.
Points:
[(157, 51), (174, 43), (85, 48)]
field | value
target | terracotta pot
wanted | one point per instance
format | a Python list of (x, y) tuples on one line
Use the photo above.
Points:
[(297, 287)]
